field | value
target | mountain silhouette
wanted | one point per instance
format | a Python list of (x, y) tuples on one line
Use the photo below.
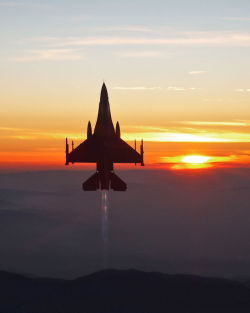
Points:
[(122, 291)]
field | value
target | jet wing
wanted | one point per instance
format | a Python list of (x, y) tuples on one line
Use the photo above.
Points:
[(93, 149), (86, 152), (120, 152)]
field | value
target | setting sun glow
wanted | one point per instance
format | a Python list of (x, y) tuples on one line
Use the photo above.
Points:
[(195, 159), (192, 162)]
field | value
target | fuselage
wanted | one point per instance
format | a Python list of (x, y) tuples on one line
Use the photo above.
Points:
[(104, 147)]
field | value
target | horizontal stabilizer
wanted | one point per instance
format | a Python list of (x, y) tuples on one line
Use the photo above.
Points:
[(91, 184), (116, 183), (104, 182)]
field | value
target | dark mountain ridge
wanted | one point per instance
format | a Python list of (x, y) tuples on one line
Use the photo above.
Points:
[(122, 291)]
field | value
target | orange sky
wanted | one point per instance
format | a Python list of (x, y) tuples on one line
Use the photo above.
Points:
[(49, 154), (29, 141), (179, 81), (34, 140)]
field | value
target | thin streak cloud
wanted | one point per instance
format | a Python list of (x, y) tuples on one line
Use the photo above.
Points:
[(148, 133), (49, 55), (136, 88), (11, 4), (136, 29), (242, 19), (243, 90), (196, 72), (174, 88), (170, 88), (173, 39), (140, 54), (213, 123)]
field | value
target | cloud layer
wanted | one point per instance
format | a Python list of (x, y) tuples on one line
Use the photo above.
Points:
[(170, 221)]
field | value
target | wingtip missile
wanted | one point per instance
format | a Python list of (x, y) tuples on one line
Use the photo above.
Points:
[(67, 152), (142, 154)]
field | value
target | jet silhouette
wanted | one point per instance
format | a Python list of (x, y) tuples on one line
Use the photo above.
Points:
[(104, 147)]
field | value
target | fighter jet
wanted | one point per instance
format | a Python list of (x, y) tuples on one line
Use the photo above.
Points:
[(104, 147)]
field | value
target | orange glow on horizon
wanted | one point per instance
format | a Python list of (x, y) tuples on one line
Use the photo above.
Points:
[(191, 166), (46, 155), (195, 159), (193, 162), (200, 159)]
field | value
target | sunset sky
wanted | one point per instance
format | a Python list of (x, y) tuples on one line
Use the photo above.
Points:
[(178, 76), (177, 72)]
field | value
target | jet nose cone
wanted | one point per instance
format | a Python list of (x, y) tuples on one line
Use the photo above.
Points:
[(104, 125), (104, 92)]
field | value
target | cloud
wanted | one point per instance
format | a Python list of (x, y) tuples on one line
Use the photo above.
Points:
[(198, 131), (136, 88), (176, 131), (136, 29), (173, 39), (174, 88), (196, 72), (12, 4), (179, 136), (214, 123), (49, 55), (140, 54), (243, 19), (203, 231), (170, 88), (243, 90), (29, 133), (87, 17)]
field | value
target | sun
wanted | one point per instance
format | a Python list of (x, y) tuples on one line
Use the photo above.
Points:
[(195, 159)]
